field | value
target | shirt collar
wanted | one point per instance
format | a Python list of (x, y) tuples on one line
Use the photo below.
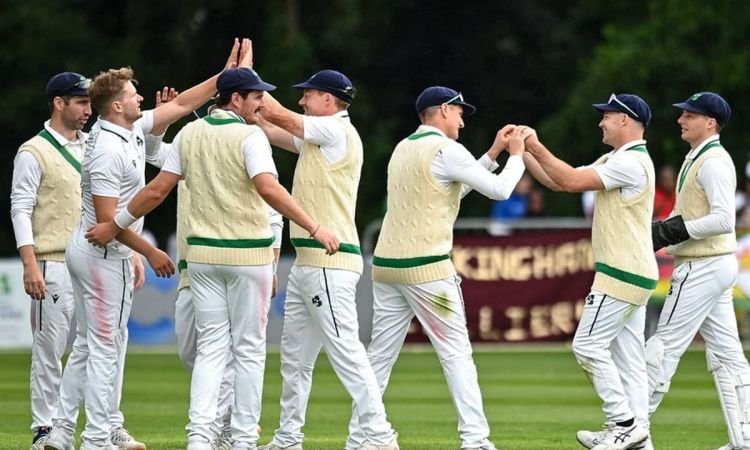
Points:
[(694, 152), (124, 134), (59, 137), (629, 145), (220, 113), (344, 114), (427, 128)]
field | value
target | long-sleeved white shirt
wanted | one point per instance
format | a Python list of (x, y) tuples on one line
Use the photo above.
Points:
[(27, 177), (454, 163), (715, 177)]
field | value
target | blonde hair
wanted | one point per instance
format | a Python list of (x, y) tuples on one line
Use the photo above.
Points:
[(108, 86)]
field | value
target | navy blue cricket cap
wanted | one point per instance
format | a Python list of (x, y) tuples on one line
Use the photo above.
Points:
[(437, 95), (241, 79), (630, 104), (709, 104), (331, 81), (68, 83)]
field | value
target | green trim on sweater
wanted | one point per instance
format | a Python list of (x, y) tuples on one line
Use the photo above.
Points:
[(312, 243), (626, 277), (63, 151)]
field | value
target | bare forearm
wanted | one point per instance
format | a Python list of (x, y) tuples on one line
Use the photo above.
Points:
[(278, 137), (532, 165), (28, 257), (278, 115), (183, 104), (135, 242), (280, 200), (558, 171)]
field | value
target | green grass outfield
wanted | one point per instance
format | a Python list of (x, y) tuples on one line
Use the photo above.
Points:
[(535, 399)]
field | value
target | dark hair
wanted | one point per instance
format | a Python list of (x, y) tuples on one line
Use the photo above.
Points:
[(224, 98)]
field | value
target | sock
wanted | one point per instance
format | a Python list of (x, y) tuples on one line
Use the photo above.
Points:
[(625, 423)]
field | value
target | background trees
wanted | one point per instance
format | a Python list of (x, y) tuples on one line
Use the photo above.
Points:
[(538, 62)]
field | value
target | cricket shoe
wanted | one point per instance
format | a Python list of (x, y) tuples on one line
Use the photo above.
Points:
[(199, 446), (622, 438), (224, 442), (59, 439), (489, 446), (124, 441), (88, 445), (273, 446), (731, 447), (393, 445), (40, 437), (591, 439)]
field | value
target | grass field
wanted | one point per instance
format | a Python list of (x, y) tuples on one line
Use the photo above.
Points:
[(535, 400)]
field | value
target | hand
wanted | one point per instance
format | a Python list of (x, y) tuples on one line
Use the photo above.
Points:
[(166, 95), (517, 139), (501, 141), (232, 60), (139, 271), (328, 239), (668, 232), (275, 286), (246, 54), (161, 264), (101, 233), (33, 282), (531, 139)]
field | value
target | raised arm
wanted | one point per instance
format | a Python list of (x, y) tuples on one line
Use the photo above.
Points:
[(276, 135), (566, 177), (191, 99), (278, 115)]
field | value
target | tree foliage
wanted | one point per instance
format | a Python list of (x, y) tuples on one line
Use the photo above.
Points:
[(534, 62)]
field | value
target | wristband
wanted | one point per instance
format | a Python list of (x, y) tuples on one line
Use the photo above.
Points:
[(312, 235), (124, 219)]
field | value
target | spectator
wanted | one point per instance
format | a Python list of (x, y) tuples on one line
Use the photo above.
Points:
[(518, 204), (665, 194)]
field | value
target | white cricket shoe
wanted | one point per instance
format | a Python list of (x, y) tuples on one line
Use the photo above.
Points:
[(645, 445), (39, 443), (273, 446), (224, 441), (121, 439), (199, 446), (393, 445), (730, 447), (87, 445), (489, 446), (622, 438), (59, 439), (591, 439)]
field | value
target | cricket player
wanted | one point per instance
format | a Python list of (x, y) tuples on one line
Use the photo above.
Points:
[(700, 234), (428, 175), (103, 278), (609, 341), (45, 206), (230, 261), (320, 308), (185, 329)]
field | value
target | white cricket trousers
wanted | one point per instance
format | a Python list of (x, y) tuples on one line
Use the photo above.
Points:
[(187, 347), (609, 345), (439, 307), (700, 301), (320, 310), (50, 325), (231, 313), (103, 290)]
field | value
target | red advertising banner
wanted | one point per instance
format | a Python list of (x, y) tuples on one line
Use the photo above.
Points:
[(530, 286), (527, 287)]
